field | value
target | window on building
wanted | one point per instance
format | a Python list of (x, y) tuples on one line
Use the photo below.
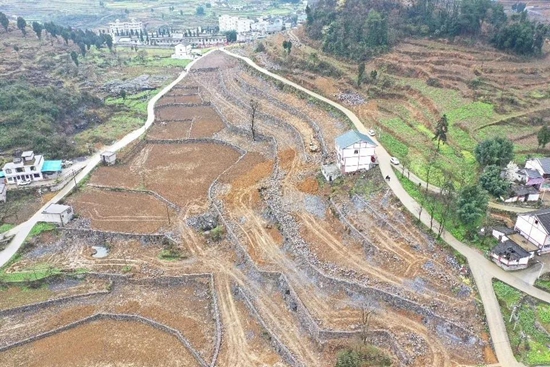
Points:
[(36, 175), (10, 179), (536, 221), (33, 168), (19, 169), (355, 152), (8, 171)]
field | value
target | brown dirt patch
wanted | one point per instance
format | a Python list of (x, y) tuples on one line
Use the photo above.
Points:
[(103, 343), (309, 185), (121, 211), (179, 98), (170, 130), (183, 173)]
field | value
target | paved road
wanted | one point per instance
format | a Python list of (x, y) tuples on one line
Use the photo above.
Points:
[(483, 270), (21, 232)]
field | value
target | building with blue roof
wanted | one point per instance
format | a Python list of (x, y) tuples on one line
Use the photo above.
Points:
[(355, 151)]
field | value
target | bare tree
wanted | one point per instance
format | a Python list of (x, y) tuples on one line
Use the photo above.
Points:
[(253, 107), (368, 309)]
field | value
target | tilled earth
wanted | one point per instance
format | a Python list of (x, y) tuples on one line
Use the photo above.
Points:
[(296, 264)]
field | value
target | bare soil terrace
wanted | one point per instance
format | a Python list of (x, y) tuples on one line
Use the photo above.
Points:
[(297, 262)]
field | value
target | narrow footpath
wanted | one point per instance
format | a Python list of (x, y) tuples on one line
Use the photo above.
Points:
[(483, 269)]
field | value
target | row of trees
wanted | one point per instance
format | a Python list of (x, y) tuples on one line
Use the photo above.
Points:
[(361, 28)]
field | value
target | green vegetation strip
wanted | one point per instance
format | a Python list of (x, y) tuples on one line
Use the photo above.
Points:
[(527, 323)]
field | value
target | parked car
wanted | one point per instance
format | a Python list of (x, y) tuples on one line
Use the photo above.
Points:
[(24, 183), (372, 132), (394, 160)]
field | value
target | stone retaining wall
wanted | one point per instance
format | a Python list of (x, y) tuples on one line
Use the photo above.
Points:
[(95, 236), (148, 192), (195, 141), (201, 104)]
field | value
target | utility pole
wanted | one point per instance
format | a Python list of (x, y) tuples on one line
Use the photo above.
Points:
[(253, 106)]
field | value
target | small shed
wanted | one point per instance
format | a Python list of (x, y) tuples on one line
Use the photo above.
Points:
[(108, 158), (57, 213), (3, 191), (501, 233), (510, 256), (331, 172), (52, 169)]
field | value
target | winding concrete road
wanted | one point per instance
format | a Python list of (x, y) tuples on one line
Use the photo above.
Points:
[(483, 270), (22, 231)]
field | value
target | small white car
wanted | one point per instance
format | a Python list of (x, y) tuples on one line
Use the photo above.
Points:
[(24, 183), (372, 132), (394, 160)]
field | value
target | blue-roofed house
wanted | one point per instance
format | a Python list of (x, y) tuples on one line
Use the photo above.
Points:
[(355, 151), (52, 169)]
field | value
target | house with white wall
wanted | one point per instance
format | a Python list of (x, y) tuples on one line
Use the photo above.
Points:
[(355, 151), (57, 213), (182, 52), (510, 256), (535, 227), (108, 158), (26, 167)]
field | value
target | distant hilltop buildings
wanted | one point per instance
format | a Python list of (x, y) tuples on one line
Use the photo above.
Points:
[(118, 28), (244, 25)]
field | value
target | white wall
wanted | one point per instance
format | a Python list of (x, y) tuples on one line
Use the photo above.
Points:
[(62, 218), (534, 232), (355, 157), (522, 261)]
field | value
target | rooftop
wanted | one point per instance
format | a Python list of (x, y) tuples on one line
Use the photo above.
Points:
[(331, 169), (56, 209), (544, 163), (51, 166), (28, 153), (352, 137), (522, 242), (531, 173), (510, 251), (504, 230), (108, 154), (521, 190)]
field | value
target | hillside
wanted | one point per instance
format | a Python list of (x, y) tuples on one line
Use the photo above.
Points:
[(483, 92), (62, 110)]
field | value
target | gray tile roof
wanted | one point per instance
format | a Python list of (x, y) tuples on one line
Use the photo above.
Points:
[(531, 173), (510, 251), (504, 230), (352, 137), (545, 164), (522, 190), (543, 217)]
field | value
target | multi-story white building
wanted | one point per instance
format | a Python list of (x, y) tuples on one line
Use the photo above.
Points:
[(355, 151), (124, 28), (243, 25), (228, 23), (26, 168)]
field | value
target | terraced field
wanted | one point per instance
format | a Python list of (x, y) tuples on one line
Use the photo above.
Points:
[(273, 267)]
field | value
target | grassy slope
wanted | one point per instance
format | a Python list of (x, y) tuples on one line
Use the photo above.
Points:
[(405, 108), (529, 329)]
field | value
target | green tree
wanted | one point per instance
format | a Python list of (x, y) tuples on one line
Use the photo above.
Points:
[(360, 73), (376, 28), (373, 74), (108, 41), (471, 206), (497, 151), (74, 56), (231, 36), (181, 12), (441, 130), (492, 181), (309, 15), (349, 358), (123, 94), (200, 10), (22, 24), (82, 47), (4, 21), (543, 136), (37, 28)]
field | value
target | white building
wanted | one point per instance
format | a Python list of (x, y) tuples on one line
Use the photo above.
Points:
[(56, 213), (355, 152), (125, 28), (331, 172), (510, 256), (182, 52), (227, 23), (3, 191), (108, 158), (26, 168), (535, 227)]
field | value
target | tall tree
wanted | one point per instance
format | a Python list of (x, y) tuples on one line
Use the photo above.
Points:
[(108, 41), (37, 28), (441, 130), (497, 151), (543, 136), (22, 24), (492, 181), (471, 206), (4, 21), (74, 57), (447, 198), (360, 73)]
